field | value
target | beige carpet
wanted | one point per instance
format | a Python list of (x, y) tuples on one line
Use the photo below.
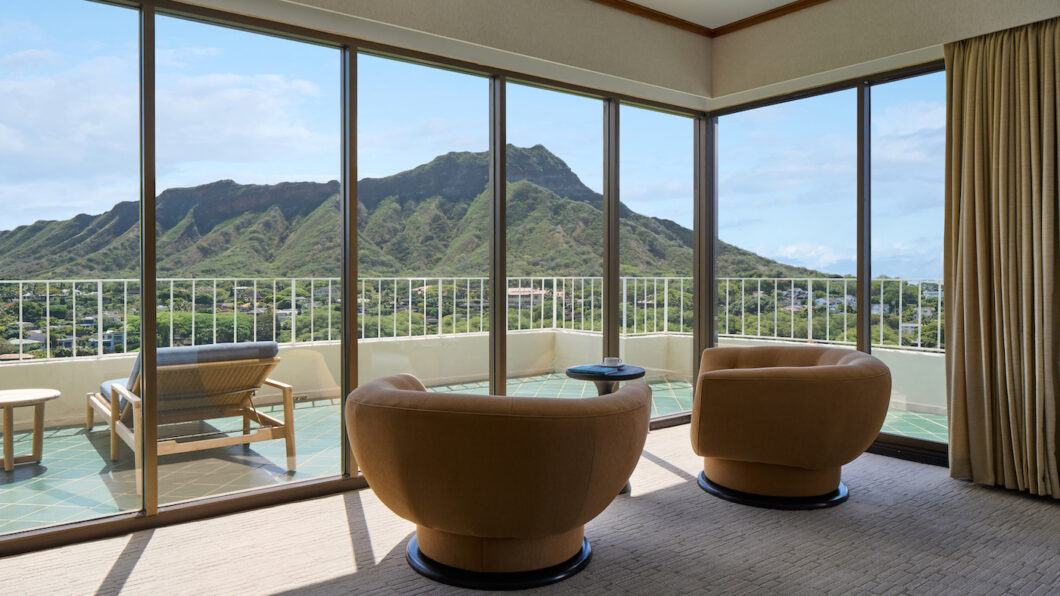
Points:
[(907, 528)]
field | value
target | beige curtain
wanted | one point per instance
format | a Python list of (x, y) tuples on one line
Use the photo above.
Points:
[(1002, 307)]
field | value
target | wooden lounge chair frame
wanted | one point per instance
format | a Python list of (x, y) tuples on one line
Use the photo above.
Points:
[(195, 392)]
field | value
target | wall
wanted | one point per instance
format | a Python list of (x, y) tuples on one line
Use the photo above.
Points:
[(843, 39), (576, 41)]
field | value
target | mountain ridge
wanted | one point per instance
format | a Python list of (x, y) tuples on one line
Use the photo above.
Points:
[(431, 220)]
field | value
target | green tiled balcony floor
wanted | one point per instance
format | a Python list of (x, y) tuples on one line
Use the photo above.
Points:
[(930, 427), (76, 480), (668, 397)]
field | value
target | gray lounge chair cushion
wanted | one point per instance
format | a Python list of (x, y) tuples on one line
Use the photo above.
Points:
[(104, 388), (209, 353)]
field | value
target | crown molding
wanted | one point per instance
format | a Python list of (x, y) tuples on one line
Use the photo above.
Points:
[(668, 19)]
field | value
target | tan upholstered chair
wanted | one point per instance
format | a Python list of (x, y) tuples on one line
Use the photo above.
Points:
[(775, 424), (500, 488)]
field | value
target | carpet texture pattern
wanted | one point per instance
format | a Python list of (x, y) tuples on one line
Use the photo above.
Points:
[(907, 529)]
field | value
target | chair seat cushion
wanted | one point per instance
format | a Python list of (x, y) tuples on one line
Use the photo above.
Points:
[(104, 389), (105, 386)]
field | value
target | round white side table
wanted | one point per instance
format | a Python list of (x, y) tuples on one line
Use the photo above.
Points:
[(11, 399)]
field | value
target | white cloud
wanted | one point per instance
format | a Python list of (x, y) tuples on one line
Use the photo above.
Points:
[(184, 56), (27, 60), (71, 125), (777, 170), (20, 32), (70, 139), (911, 117), (10, 140), (919, 257), (808, 254), (241, 118)]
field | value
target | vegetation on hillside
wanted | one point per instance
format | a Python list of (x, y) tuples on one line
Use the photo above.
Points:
[(431, 220)]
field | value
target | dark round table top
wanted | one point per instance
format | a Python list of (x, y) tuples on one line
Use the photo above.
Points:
[(626, 372)]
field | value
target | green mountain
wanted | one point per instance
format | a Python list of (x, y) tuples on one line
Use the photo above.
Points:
[(430, 220)]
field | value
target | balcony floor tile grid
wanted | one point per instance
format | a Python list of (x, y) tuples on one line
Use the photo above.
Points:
[(668, 397), (918, 425), (76, 479)]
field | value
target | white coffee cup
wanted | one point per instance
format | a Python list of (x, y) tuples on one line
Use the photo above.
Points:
[(612, 361)]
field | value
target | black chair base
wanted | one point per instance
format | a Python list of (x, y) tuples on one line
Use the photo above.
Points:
[(518, 580), (817, 502)]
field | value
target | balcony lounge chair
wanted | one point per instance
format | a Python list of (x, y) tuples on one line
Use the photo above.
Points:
[(500, 488), (775, 424), (198, 383)]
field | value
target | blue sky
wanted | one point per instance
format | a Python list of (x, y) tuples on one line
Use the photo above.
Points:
[(258, 109)]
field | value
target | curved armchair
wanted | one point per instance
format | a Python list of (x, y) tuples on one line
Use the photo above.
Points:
[(500, 488), (775, 424)]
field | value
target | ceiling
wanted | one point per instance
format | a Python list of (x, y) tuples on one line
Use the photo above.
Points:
[(712, 13)]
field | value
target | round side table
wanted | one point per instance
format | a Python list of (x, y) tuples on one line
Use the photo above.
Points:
[(607, 380), (11, 399)]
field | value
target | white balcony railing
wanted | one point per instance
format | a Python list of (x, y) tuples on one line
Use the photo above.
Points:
[(83, 318)]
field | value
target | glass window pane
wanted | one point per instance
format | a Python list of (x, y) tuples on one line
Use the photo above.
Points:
[(423, 224), (787, 223), (555, 240), (249, 250), (655, 253), (69, 254), (908, 165)]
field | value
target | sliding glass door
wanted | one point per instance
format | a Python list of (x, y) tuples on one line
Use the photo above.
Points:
[(656, 310), (423, 224), (908, 205), (249, 259), (787, 223), (69, 258), (554, 298)]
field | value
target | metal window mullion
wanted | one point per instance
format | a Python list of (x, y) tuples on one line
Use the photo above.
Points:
[(148, 289), (348, 280), (864, 209), (609, 285), (705, 234), (498, 275)]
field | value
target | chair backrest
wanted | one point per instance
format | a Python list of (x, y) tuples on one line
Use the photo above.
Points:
[(485, 465), (201, 382)]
